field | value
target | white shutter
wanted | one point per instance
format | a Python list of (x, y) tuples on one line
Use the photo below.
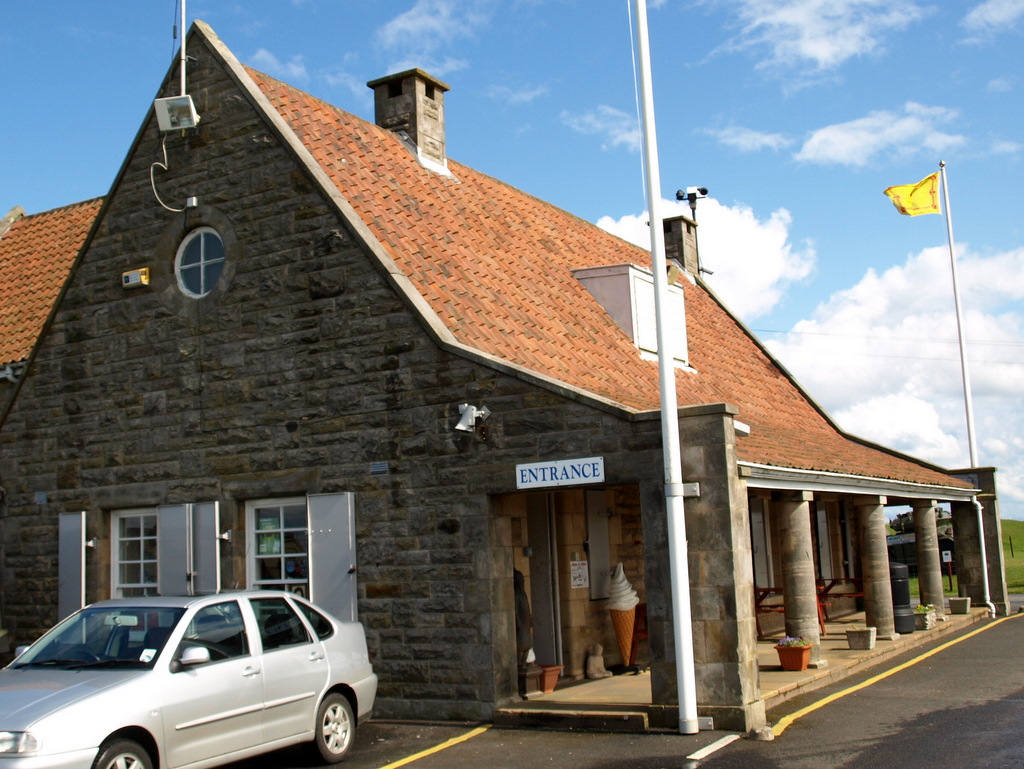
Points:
[(70, 563), (332, 553)]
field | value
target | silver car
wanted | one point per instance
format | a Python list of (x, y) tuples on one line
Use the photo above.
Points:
[(161, 682)]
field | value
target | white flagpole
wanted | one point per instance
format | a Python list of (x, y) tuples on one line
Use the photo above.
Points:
[(972, 446), (677, 547), (964, 370)]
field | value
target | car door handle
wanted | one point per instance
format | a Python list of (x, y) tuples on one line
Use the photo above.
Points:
[(316, 656), (249, 671)]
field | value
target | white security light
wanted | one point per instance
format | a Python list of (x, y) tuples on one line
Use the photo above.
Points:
[(470, 415), (176, 113)]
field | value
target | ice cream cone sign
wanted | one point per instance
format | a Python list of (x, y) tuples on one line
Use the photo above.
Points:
[(622, 601)]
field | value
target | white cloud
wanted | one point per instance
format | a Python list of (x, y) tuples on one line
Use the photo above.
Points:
[(752, 260), (749, 140), (1005, 147), (882, 357), (993, 16), (825, 33), (438, 67), (619, 128), (430, 25), (524, 95), (1002, 84), (292, 71), (859, 142)]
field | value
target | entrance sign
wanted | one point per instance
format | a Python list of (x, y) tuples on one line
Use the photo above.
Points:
[(560, 472)]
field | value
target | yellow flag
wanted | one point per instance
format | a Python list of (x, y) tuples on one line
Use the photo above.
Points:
[(915, 199)]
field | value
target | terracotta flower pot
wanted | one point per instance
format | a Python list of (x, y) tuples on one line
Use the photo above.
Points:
[(549, 675), (794, 657)]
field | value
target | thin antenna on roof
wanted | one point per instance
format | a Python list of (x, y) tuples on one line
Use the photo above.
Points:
[(184, 58), (178, 112), (174, 113)]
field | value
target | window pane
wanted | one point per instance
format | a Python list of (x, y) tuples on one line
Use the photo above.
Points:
[(295, 517), (192, 254), (211, 273), (130, 527), (270, 568), (269, 544), (130, 573), (295, 568), (268, 518), (191, 278), (131, 550), (295, 542)]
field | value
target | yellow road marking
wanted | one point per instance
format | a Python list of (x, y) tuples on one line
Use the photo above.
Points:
[(437, 748), (785, 721)]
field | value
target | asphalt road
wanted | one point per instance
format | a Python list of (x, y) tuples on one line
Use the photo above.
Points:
[(961, 707)]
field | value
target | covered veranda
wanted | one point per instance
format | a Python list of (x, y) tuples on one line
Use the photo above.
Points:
[(623, 702)]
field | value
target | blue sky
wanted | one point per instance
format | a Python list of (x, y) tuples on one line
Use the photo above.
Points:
[(795, 114)]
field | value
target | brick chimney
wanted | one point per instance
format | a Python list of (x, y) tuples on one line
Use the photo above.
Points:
[(681, 242), (411, 104)]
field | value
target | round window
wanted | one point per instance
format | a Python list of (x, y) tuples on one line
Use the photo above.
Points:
[(200, 262)]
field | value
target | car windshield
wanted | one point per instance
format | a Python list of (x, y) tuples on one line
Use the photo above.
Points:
[(112, 636)]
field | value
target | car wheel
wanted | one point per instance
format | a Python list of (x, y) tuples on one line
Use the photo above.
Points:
[(122, 754), (335, 728)]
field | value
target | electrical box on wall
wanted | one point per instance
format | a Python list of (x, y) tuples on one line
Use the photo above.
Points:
[(133, 278)]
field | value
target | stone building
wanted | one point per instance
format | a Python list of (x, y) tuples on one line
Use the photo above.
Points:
[(300, 349)]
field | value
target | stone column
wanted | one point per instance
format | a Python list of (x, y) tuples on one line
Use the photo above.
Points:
[(969, 570), (799, 590), (929, 563), (721, 580), (874, 558)]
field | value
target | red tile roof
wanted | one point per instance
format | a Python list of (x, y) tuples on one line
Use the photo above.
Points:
[(36, 254), (495, 265)]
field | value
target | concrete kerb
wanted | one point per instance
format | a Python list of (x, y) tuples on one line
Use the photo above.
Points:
[(778, 686)]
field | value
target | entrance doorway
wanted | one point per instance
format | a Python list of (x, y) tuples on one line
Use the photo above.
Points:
[(567, 543)]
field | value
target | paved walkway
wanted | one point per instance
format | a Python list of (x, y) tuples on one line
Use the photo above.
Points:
[(631, 693)]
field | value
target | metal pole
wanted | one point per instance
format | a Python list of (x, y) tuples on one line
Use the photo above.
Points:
[(964, 371), (678, 558), (966, 377), (184, 60)]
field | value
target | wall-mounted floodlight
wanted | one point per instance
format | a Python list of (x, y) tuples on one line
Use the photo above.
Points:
[(470, 415), (176, 113)]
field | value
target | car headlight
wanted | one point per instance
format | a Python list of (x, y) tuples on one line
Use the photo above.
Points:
[(18, 742)]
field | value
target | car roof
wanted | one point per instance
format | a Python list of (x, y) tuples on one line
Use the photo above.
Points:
[(186, 601)]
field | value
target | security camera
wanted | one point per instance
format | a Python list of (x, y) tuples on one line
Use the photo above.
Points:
[(702, 191)]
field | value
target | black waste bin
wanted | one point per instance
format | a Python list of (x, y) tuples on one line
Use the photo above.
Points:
[(903, 612)]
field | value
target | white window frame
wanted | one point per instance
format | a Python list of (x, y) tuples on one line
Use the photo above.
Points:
[(199, 234), (296, 585), (117, 587)]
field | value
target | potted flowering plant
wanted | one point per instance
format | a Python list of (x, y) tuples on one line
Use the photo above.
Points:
[(794, 652), (924, 616)]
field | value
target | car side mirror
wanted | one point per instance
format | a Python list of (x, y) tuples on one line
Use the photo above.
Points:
[(192, 655)]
